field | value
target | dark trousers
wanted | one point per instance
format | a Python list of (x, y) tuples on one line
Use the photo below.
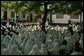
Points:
[(71, 30)]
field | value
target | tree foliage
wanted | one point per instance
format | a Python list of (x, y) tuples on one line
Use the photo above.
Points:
[(63, 7)]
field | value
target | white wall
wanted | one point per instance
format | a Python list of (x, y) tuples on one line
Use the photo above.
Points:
[(2, 13), (82, 16), (62, 20), (8, 14), (54, 19)]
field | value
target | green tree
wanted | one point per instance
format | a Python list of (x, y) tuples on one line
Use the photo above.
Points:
[(32, 7), (7, 5), (63, 7), (17, 6)]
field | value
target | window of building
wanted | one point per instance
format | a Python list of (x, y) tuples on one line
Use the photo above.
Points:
[(12, 14), (74, 16), (59, 16)]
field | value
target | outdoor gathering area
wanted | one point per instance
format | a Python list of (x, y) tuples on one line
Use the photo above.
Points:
[(41, 27)]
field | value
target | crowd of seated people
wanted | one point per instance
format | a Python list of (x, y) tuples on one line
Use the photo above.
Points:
[(63, 49)]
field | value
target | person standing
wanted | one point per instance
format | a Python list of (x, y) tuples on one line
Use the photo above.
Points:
[(71, 29), (69, 21)]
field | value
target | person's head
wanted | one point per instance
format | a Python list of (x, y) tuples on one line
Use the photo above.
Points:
[(69, 25), (64, 42), (17, 33), (11, 35)]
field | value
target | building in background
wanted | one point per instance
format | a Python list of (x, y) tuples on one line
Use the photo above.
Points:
[(56, 18)]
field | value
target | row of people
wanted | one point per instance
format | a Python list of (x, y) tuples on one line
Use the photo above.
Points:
[(62, 50)]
